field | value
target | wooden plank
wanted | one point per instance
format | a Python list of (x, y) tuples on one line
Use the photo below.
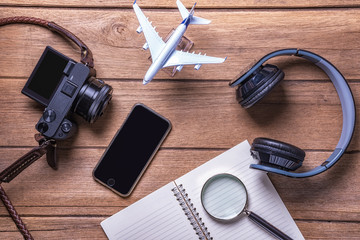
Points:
[(68, 202), (302, 113), (71, 191), (88, 227), (322, 197), (187, 3), (55, 228), (241, 35), (330, 230)]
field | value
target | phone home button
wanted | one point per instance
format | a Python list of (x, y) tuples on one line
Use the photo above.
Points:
[(111, 182)]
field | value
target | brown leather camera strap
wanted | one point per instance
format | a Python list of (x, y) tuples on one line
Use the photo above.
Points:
[(86, 54), (17, 167), (46, 146), (14, 215)]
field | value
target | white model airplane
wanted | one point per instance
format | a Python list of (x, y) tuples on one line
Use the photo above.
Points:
[(165, 54)]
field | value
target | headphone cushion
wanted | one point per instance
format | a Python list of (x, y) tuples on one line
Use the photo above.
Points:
[(277, 154), (260, 83)]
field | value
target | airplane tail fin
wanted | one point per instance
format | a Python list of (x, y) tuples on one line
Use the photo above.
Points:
[(185, 13)]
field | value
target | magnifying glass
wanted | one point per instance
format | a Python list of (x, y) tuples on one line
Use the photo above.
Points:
[(224, 197)]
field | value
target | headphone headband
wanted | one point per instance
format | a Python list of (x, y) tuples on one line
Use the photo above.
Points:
[(346, 100), (284, 52)]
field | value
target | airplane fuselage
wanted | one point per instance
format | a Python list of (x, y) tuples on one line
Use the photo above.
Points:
[(164, 55)]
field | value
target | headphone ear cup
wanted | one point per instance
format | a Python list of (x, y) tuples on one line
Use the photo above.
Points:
[(258, 84), (277, 154)]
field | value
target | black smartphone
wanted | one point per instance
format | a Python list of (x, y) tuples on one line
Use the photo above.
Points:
[(132, 149)]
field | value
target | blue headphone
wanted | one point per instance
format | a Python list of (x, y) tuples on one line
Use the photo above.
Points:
[(279, 157)]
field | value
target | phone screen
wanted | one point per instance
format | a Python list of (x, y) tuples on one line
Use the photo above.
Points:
[(132, 149)]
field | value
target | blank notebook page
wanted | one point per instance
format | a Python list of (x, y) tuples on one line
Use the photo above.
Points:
[(263, 198), (160, 216)]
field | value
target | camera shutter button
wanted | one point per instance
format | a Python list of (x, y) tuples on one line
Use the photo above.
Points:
[(49, 115)]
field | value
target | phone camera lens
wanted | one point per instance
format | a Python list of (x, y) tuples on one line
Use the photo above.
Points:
[(93, 98), (111, 182)]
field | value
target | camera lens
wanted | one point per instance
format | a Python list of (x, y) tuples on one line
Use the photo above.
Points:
[(92, 99)]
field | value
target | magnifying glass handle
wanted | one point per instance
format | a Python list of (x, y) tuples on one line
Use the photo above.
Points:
[(267, 226)]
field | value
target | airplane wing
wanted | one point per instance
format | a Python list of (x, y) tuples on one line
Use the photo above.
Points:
[(156, 44), (179, 58)]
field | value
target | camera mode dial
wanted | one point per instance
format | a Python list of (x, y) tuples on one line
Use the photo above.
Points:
[(49, 115)]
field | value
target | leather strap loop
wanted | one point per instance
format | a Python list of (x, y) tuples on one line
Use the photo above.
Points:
[(22, 163), (86, 54)]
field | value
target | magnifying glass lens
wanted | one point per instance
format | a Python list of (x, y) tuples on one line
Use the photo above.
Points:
[(224, 196)]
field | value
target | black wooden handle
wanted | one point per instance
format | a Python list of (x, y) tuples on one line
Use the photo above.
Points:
[(267, 226)]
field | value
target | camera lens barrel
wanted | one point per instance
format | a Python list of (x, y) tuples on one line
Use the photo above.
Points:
[(92, 99)]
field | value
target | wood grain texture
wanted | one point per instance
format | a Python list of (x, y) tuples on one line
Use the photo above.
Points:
[(60, 197), (65, 228), (303, 110), (302, 113), (187, 3), (72, 186), (242, 36)]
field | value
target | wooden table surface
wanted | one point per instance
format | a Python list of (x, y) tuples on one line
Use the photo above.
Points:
[(303, 110)]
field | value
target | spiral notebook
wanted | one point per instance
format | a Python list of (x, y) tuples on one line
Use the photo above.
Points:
[(175, 211)]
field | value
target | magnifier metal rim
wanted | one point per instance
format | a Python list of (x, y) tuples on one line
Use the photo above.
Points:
[(223, 175)]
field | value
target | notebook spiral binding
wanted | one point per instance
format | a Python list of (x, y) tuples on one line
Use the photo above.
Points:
[(190, 211)]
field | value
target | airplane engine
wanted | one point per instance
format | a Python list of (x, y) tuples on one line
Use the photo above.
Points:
[(197, 66), (145, 46), (178, 68), (139, 29)]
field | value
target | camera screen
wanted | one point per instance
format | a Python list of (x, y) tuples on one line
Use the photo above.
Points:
[(46, 76)]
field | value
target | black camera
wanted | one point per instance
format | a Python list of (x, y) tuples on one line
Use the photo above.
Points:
[(63, 85)]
